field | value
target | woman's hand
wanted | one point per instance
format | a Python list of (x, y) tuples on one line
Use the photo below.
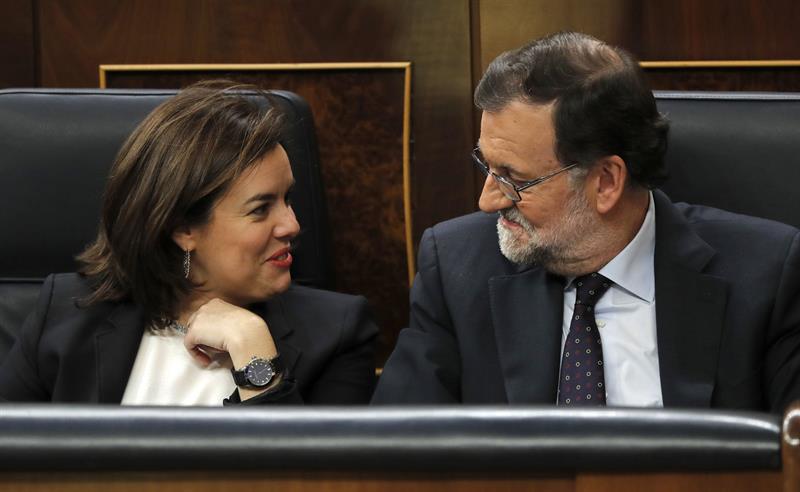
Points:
[(220, 327)]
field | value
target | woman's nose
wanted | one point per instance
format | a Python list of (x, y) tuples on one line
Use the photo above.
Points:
[(287, 227)]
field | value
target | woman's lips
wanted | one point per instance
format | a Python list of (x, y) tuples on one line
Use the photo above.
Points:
[(281, 259)]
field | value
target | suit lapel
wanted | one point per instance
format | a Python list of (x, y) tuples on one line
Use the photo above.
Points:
[(116, 346), (527, 311), (690, 310)]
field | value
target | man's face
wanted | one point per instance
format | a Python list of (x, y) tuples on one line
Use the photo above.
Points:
[(553, 222)]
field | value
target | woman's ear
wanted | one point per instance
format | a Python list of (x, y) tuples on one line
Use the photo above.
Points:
[(184, 238), (611, 179)]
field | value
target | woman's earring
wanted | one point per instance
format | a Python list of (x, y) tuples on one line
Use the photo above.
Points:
[(187, 264)]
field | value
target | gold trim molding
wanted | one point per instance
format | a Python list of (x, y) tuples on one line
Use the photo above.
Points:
[(405, 66), (720, 64)]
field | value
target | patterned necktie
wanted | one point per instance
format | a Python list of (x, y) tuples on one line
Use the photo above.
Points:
[(582, 381)]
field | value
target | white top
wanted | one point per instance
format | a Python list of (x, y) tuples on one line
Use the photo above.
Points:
[(166, 374), (626, 318)]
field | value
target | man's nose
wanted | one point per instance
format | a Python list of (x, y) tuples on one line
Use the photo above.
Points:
[(492, 198)]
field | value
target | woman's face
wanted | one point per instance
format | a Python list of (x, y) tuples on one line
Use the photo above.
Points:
[(242, 254)]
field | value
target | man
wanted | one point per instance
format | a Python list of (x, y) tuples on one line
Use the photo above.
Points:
[(581, 284)]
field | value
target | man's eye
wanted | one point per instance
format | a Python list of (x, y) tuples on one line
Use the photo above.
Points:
[(288, 198)]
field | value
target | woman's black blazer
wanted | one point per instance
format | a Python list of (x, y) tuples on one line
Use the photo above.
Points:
[(68, 353)]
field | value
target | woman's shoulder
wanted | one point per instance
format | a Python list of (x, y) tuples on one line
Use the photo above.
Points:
[(64, 294), (68, 284), (300, 293), (323, 307)]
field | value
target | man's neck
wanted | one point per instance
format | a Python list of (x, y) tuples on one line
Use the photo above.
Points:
[(623, 223), (617, 229)]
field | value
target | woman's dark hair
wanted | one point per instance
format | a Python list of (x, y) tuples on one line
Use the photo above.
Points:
[(602, 103), (169, 173)]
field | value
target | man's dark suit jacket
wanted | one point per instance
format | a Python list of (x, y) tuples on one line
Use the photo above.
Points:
[(71, 354), (483, 330)]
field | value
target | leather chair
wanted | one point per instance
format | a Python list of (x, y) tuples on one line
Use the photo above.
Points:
[(56, 146), (737, 151)]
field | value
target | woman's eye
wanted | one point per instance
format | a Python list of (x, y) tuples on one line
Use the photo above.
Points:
[(288, 198), (260, 210)]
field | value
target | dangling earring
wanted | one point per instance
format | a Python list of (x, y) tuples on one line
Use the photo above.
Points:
[(187, 264)]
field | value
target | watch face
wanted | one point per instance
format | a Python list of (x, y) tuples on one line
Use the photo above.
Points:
[(259, 372)]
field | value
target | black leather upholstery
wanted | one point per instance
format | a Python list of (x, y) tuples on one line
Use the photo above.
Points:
[(468, 439), (736, 151), (56, 146)]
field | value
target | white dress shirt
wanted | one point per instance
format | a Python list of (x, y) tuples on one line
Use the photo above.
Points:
[(626, 318), (166, 374)]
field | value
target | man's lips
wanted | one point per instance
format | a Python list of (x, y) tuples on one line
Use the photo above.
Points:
[(508, 223)]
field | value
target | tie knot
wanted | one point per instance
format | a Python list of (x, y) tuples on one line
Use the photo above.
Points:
[(590, 288)]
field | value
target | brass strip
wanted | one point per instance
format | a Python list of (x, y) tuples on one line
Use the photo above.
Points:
[(720, 64), (177, 67), (407, 173), (105, 69)]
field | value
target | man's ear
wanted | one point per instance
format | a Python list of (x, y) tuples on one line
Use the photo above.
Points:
[(611, 177), (184, 237)]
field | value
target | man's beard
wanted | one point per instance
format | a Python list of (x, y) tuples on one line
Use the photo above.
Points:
[(560, 249)]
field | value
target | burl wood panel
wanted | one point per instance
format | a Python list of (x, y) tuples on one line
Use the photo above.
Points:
[(358, 116)]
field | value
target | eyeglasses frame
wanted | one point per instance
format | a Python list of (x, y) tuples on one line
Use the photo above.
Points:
[(476, 159)]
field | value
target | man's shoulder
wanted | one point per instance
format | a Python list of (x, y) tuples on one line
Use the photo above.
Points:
[(473, 232), (707, 220), (465, 246)]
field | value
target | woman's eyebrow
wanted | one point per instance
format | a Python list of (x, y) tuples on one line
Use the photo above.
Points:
[(261, 197)]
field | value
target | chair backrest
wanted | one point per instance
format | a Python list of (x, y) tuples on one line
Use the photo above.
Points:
[(736, 151), (56, 147)]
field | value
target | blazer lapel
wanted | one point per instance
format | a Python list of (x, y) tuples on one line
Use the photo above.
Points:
[(690, 310), (116, 345), (273, 312), (527, 311)]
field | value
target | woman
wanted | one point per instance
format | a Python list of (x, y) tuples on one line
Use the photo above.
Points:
[(185, 296)]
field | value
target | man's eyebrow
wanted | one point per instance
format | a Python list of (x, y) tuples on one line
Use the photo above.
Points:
[(504, 167)]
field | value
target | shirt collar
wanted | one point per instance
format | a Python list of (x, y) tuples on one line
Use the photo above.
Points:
[(632, 268)]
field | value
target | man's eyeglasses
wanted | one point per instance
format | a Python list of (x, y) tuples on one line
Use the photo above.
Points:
[(510, 189)]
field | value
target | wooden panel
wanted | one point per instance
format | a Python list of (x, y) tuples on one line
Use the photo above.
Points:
[(369, 482), (17, 44), (664, 30), (720, 29), (684, 482), (508, 24), (782, 79), (358, 114), (284, 481)]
